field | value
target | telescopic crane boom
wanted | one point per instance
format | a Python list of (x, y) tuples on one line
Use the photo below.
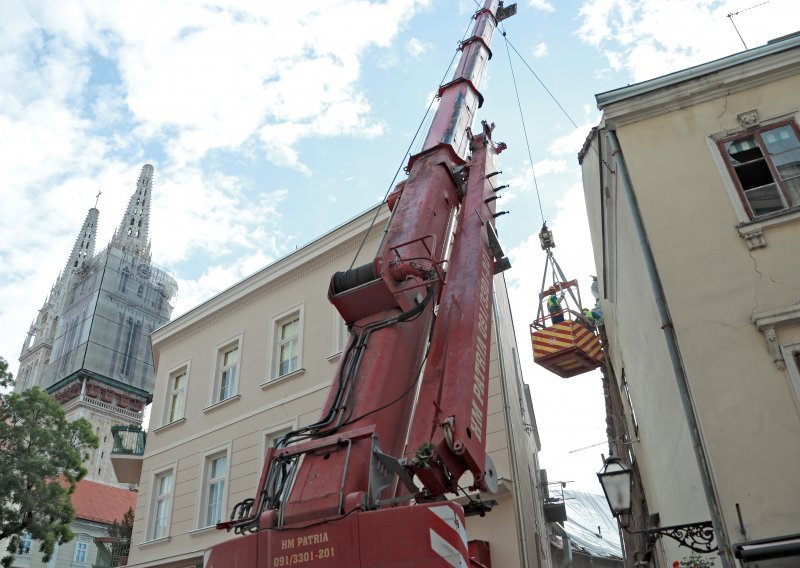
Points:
[(410, 394)]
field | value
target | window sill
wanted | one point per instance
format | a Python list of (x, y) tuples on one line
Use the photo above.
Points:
[(282, 378), (753, 231), (221, 403), (202, 531), (334, 356), (153, 542), (170, 425)]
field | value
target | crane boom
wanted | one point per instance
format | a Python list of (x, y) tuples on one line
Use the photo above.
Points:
[(410, 394)]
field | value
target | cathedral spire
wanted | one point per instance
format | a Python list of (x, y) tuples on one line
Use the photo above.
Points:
[(83, 249), (133, 232)]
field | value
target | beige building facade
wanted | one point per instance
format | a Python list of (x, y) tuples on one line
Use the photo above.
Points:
[(257, 360), (692, 186)]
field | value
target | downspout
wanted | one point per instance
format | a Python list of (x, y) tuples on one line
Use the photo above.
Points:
[(523, 543), (712, 499), (566, 562)]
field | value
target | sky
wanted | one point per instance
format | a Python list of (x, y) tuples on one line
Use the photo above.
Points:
[(269, 125)]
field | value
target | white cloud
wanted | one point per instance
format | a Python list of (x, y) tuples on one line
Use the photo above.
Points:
[(540, 50), (570, 144), (85, 82), (216, 278), (415, 47), (651, 38), (210, 215), (542, 5)]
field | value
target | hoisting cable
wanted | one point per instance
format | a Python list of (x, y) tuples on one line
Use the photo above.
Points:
[(410, 145), (524, 130), (552, 96)]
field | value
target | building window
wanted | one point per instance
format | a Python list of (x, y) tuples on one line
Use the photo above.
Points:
[(25, 541), (227, 367), (626, 389), (340, 333), (177, 396), (765, 166), (287, 343), (162, 505), (80, 553), (216, 472), (271, 437)]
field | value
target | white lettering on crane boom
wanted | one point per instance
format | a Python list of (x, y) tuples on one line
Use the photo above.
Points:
[(481, 372)]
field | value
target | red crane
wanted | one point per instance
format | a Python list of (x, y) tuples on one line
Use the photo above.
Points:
[(410, 394)]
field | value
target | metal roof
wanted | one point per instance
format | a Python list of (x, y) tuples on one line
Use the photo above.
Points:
[(590, 526)]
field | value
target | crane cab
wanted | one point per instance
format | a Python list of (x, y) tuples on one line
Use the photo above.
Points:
[(564, 341)]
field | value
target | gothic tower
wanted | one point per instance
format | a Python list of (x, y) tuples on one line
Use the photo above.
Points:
[(131, 236), (38, 345), (96, 360)]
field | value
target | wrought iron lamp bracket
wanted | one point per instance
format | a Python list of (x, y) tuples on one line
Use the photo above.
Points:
[(698, 537)]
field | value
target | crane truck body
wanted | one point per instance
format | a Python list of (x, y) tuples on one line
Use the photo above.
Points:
[(405, 418)]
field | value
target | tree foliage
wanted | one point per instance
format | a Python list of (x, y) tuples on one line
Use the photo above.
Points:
[(41, 457)]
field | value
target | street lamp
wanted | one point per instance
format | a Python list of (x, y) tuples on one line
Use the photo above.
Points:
[(616, 478)]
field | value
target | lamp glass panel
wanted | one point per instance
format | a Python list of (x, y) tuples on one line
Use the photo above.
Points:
[(616, 482)]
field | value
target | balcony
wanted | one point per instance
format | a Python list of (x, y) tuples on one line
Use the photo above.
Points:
[(127, 454), (111, 552)]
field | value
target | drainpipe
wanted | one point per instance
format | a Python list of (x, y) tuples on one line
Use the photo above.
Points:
[(566, 562), (681, 381)]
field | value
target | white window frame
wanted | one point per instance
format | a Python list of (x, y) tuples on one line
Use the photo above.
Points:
[(205, 481), (757, 131), (183, 368), (220, 350), (791, 353), (273, 371), (339, 335), (25, 543), (268, 436), (80, 546), (750, 229), (155, 498)]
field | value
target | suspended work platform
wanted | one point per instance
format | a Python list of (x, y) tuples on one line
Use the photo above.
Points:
[(567, 348), (564, 337)]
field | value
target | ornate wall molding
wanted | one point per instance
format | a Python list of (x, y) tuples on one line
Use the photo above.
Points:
[(767, 321)]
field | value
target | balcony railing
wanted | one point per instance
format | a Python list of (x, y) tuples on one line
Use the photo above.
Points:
[(128, 440), (111, 552)]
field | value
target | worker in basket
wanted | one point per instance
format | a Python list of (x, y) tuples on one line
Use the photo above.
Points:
[(554, 306)]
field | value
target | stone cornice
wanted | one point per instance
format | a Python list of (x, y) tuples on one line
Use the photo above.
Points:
[(700, 84)]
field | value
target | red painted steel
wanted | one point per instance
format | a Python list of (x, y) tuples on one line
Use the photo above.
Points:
[(342, 509), (430, 535), (451, 412)]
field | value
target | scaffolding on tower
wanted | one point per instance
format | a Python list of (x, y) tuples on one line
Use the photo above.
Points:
[(564, 335)]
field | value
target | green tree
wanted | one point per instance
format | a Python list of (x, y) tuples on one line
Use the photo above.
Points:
[(41, 457)]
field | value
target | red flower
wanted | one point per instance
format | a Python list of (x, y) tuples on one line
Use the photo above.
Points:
[(676, 564)]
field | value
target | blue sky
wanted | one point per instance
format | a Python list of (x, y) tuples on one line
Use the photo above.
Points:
[(270, 124)]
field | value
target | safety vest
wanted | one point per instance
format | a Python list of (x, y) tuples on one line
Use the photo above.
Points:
[(553, 302)]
